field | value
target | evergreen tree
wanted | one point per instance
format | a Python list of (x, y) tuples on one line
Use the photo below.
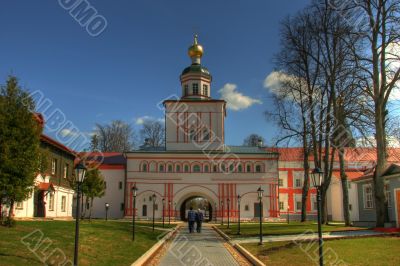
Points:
[(93, 187), (19, 143)]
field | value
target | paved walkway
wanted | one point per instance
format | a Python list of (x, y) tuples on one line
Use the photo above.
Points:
[(205, 249), (300, 237)]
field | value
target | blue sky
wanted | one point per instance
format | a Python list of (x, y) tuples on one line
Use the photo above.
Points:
[(136, 62)]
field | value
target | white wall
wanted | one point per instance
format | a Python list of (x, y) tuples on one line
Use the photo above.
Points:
[(114, 195)]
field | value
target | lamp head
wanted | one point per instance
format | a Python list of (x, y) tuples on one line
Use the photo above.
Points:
[(317, 176), (134, 190), (260, 192), (80, 172)]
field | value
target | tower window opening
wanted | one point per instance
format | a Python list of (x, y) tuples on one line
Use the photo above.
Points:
[(205, 90), (195, 88), (186, 89)]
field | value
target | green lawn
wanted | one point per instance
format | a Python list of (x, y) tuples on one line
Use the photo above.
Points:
[(253, 229), (101, 242), (357, 251)]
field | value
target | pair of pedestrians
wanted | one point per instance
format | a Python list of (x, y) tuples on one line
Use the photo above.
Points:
[(193, 217)]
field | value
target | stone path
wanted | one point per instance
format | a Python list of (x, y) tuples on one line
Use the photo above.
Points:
[(204, 249)]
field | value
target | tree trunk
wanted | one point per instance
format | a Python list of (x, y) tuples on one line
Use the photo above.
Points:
[(90, 210), (306, 185), (380, 199), (345, 188), (11, 210)]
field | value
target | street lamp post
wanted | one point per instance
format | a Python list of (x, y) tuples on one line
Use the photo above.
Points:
[(154, 207), (317, 176), (215, 212), (222, 214), (228, 201), (163, 212), (260, 195), (175, 211), (134, 190), (238, 200), (169, 212), (80, 172), (107, 206), (288, 217)]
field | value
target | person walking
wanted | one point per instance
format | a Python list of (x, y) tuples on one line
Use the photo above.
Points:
[(191, 219), (199, 220)]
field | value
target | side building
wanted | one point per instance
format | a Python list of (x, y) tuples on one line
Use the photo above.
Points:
[(52, 195)]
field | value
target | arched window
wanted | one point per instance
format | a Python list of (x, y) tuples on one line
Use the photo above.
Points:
[(186, 168), (206, 169), (161, 168), (170, 168), (223, 167), (258, 168), (144, 210), (215, 168), (240, 168), (144, 167), (248, 168), (193, 135), (178, 168), (196, 168), (231, 168), (206, 135)]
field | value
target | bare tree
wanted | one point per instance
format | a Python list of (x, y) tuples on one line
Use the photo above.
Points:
[(253, 140), (153, 133), (115, 137), (378, 25)]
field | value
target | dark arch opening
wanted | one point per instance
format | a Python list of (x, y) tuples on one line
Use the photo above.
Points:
[(197, 202)]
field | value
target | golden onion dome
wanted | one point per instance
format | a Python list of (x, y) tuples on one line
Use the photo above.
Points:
[(196, 50)]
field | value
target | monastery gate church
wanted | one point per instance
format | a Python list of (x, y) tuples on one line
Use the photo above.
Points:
[(196, 168)]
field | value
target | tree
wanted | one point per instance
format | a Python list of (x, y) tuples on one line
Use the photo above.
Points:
[(253, 140), (377, 23), (93, 187), (19, 143), (317, 101), (115, 137), (153, 133)]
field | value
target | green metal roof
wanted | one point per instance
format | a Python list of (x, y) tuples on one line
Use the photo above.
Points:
[(196, 68)]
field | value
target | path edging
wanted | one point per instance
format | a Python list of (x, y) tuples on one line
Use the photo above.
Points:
[(155, 248), (247, 254)]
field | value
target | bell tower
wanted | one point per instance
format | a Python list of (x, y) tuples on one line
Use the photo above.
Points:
[(195, 122), (196, 79)]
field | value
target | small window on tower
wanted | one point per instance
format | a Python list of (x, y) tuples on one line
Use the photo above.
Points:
[(205, 90), (186, 89), (195, 87)]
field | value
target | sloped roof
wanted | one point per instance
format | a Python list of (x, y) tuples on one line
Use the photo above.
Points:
[(106, 158), (350, 154), (56, 144)]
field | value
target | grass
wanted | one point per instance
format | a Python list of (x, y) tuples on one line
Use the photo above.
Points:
[(101, 242), (253, 229), (356, 251)]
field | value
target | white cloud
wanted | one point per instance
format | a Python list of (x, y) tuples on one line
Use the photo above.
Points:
[(68, 133), (274, 82), (235, 100), (141, 120)]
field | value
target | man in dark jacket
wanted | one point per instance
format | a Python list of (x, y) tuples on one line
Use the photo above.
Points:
[(191, 219), (199, 220)]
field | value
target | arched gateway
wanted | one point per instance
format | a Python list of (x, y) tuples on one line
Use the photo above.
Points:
[(196, 162)]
